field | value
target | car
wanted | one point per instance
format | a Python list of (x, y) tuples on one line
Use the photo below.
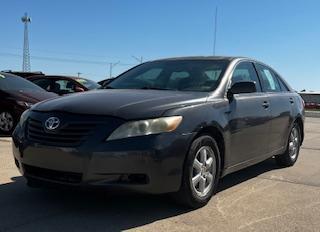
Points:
[(16, 96), (62, 85), (311, 99), (175, 125)]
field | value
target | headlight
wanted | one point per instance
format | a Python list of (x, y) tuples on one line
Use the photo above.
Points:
[(24, 117), (25, 104), (146, 127)]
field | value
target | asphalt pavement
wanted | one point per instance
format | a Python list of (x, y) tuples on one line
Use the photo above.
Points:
[(260, 198)]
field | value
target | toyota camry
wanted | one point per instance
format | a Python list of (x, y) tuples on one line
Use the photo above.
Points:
[(174, 125)]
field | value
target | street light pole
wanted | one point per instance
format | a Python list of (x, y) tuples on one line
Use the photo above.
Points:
[(111, 66), (139, 59)]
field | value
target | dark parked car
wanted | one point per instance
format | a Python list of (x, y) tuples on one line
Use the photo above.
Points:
[(64, 84), (24, 74), (17, 95), (168, 126)]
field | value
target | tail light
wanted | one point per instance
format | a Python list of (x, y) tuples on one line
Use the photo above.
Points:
[(302, 102)]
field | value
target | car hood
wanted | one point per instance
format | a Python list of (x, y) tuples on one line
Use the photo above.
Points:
[(31, 96), (126, 104)]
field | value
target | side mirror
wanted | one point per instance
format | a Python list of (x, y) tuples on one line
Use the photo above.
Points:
[(104, 83), (241, 87)]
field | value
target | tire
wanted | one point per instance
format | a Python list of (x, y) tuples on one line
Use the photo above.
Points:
[(290, 156), (199, 181), (7, 122)]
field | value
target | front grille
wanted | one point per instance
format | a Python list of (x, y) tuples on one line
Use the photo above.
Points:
[(69, 135), (48, 174)]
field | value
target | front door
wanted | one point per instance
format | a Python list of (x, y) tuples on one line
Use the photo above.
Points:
[(249, 119)]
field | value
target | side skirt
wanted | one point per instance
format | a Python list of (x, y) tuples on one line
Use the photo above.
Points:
[(251, 162)]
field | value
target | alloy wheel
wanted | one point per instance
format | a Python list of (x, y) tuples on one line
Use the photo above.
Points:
[(294, 141), (6, 121), (203, 171)]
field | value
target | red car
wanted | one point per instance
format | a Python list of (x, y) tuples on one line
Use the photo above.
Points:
[(311, 99), (63, 84), (17, 95)]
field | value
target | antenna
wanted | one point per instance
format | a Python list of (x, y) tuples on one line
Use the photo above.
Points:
[(26, 55), (215, 30)]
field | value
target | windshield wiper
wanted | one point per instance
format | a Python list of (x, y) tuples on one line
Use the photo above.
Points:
[(107, 87), (154, 88)]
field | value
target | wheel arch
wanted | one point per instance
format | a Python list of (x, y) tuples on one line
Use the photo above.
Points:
[(299, 121), (217, 134)]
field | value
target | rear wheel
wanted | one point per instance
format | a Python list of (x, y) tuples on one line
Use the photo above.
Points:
[(201, 173), (289, 158), (7, 122)]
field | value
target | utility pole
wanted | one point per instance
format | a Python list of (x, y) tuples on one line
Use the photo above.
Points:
[(111, 66), (215, 30), (139, 59), (79, 73), (26, 55)]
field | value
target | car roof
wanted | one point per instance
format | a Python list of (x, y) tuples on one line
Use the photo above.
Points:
[(229, 58), (5, 74), (23, 74), (57, 76)]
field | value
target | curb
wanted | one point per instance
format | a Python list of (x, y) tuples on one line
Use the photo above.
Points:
[(8, 140), (312, 114)]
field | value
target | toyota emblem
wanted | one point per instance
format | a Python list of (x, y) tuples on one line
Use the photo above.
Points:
[(52, 123)]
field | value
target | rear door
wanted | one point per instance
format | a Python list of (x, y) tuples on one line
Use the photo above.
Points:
[(280, 107), (249, 118)]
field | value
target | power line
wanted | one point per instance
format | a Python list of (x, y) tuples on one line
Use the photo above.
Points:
[(67, 60), (76, 53), (64, 53)]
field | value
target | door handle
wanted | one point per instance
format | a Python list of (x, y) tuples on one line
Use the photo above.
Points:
[(291, 100), (265, 104)]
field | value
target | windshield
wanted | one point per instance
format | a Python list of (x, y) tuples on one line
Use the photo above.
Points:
[(12, 82), (88, 83), (182, 75)]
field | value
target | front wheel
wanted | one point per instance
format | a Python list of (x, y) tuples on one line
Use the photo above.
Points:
[(201, 173), (290, 156)]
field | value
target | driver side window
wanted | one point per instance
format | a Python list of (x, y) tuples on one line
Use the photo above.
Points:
[(245, 71)]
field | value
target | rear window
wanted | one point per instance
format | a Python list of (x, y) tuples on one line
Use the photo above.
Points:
[(283, 86), (269, 81), (12, 82)]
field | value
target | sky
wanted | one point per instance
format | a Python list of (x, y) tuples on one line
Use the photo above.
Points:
[(67, 37)]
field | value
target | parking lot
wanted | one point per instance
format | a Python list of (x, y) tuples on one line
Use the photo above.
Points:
[(259, 198)]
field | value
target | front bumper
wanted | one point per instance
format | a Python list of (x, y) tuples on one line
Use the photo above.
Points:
[(152, 164)]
